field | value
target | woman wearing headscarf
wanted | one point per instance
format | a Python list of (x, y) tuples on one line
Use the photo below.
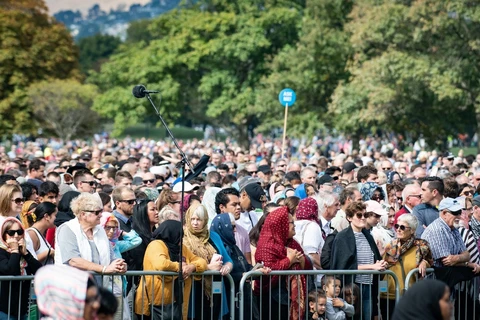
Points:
[(66, 293), (163, 254), (208, 202), (404, 254), (65, 212), (277, 249), (209, 246), (426, 299), (15, 260)]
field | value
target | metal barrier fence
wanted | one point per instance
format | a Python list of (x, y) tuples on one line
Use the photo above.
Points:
[(465, 295), (222, 300), (274, 291)]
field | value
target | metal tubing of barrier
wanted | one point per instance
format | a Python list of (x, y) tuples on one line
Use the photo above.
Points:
[(412, 273), (306, 273)]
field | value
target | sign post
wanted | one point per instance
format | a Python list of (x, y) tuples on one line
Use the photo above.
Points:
[(287, 98)]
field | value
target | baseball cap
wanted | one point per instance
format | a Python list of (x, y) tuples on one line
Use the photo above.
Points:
[(137, 181), (324, 179), (450, 204), (256, 194), (476, 201), (243, 182), (349, 166), (188, 187), (449, 155), (375, 207)]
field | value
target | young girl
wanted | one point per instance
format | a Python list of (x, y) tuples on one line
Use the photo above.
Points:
[(317, 304), (351, 292), (337, 308)]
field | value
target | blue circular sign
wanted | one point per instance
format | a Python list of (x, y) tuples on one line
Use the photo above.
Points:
[(287, 97)]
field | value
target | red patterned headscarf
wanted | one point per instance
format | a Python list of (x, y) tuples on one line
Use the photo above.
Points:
[(272, 251), (307, 209)]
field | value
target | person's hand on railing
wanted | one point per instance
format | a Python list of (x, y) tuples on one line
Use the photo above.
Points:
[(422, 268), (187, 270), (264, 270), (474, 266), (380, 265), (215, 266), (226, 268), (338, 303), (116, 266)]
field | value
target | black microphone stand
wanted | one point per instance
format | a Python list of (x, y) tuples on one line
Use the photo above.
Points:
[(183, 163)]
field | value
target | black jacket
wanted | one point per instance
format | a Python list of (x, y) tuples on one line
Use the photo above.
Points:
[(10, 266), (344, 250)]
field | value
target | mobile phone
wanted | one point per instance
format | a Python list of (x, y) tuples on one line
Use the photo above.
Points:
[(258, 266)]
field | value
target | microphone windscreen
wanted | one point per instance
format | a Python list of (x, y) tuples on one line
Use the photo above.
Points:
[(139, 91)]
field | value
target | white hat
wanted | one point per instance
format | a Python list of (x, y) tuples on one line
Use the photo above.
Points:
[(188, 187), (375, 207)]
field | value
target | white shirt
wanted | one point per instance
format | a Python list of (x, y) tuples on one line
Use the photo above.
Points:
[(325, 226), (247, 220)]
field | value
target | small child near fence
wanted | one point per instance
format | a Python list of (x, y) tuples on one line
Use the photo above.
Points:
[(337, 308), (317, 304)]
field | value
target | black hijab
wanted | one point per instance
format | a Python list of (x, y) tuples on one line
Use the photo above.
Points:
[(64, 211), (170, 232), (421, 301)]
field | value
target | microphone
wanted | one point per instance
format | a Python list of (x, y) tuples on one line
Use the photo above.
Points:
[(140, 91)]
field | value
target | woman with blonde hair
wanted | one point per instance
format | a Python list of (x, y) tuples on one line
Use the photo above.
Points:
[(11, 200), (169, 198), (209, 246)]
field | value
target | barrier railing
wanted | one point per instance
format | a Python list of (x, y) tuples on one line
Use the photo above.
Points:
[(198, 280), (282, 304), (465, 295)]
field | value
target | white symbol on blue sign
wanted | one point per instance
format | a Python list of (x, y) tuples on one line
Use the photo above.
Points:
[(287, 97)]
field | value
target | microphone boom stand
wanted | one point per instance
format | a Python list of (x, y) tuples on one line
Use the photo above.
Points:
[(183, 162)]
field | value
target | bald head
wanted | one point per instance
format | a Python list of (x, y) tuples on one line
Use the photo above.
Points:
[(411, 195)]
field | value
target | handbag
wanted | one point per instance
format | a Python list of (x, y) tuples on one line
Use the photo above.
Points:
[(169, 311)]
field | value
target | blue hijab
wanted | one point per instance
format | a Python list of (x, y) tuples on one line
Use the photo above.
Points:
[(222, 225)]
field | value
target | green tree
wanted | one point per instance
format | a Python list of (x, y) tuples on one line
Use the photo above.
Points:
[(63, 108), (95, 50), (415, 69), (33, 47)]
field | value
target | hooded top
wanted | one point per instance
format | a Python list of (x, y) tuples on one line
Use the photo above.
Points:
[(421, 301), (65, 213)]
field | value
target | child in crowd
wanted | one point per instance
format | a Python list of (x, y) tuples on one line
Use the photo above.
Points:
[(317, 304), (351, 293), (337, 308)]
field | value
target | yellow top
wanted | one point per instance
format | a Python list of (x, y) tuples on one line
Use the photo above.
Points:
[(409, 263)]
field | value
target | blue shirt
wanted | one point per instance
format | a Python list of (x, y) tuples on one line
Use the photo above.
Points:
[(443, 241)]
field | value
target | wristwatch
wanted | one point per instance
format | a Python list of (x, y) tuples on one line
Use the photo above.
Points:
[(466, 264)]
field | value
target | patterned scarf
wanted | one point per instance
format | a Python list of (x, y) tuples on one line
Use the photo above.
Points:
[(4, 245), (197, 241), (475, 228), (396, 248)]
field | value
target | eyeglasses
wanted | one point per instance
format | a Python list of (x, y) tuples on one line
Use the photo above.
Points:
[(97, 212), (399, 199), (149, 181), (253, 172), (131, 201), (18, 200), (386, 169), (403, 228), (362, 215), (11, 232), (468, 209), (107, 228), (91, 183)]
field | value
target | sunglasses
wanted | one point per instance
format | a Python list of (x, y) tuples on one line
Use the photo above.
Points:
[(175, 202), (362, 215), (386, 169), (97, 212), (403, 228), (467, 193), (18, 200), (131, 201), (253, 172), (91, 183), (11, 232), (149, 181)]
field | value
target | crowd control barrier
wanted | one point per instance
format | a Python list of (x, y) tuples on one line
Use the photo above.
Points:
[(274, 301), (465, 295)]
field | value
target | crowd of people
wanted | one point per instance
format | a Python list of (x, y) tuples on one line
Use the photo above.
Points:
[(118, 205)]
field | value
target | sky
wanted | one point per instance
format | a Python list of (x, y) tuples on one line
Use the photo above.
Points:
[(83, 5)]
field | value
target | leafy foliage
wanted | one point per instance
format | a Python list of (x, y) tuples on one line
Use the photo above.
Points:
[(95, 50)]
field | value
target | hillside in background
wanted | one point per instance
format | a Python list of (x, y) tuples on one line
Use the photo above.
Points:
[(114, 22)]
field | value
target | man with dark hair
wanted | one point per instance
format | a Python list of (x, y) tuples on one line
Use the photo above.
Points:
[(36, 170), (48, 192), (293, 178), (432, 193), (213, 179), (223, 169), (29, 191), (123, 179), (54, 177), (347, 196), (333, 171), (84, 181), (367, 174), (228, 201), (7, 179), (108, 176)]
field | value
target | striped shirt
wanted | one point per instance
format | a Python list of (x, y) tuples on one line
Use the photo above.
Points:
[(470, 243), (364, 256), (443, 241)]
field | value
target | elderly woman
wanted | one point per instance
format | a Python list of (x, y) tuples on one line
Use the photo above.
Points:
[(404, 254), (66, 293), (82, 243), (15, 260), (277, 249), (163, 255), (209, 246)]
